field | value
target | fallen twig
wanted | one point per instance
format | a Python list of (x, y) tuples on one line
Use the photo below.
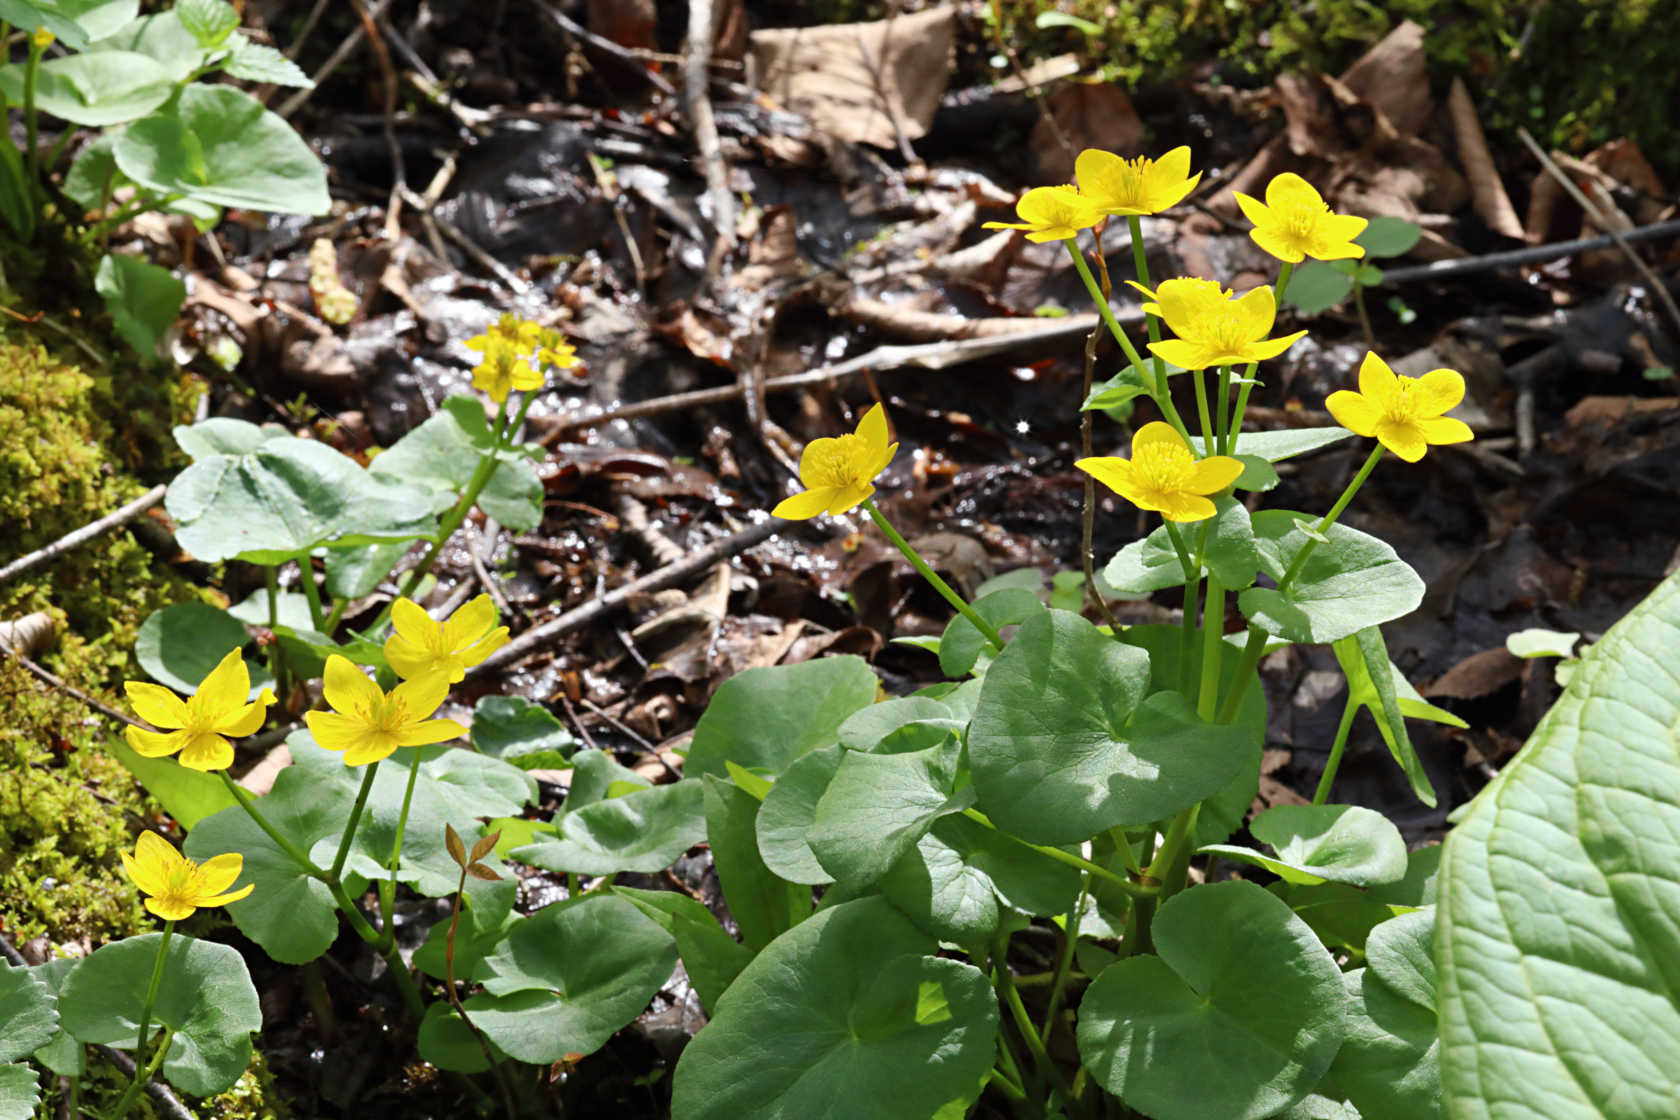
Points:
[(572, 27), (86, 533), (929, 355), (295, 102), (536, 637), (696, 75), (55, 681), (1440, 270), (1606, 225)]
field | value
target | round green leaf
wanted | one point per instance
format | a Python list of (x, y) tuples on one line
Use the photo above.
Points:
[(959, 879), (766, 718), (1390, 1064), (565, 980), (218, 144), (867, 730), (1064, 745), (1388, 237), (517, 730), (28, 1018), (62, 1054), (878, 805), (1241, 986), (848, 1006), (1536, 642), (642, 831), (1316, 286), (1274, 447), (143, 299), (443, 453), (285, 498), (179, 645), (790, 808), (1351, 582), (1324, 843), (962, 648), (223, 435), (105, 88), (160, 37), (206, 998)]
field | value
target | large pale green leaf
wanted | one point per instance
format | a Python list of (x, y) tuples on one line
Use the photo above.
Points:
[(1064, 745), (74, 21), (160, 37), (1557, 944), (179, 645), (207, 999), (789, 810), (188, 795), (443, 453), (519, 731), (563, 981), (20, 1092), (961, 879), (1237, 1017), (879, 805), (286, 497), (61, 1054), (218, 144), (847, 1013), (642, 831), (766, 718), (709, 955), (1152, 563), (1348, 583), (28, 1013)]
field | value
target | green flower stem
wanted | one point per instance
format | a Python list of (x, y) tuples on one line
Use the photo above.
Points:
[(1123, 844), (1070, 930), (248, 803), (1006, 1085), (1159, 392), (1060, 856), (306, 577), (987, 630), (335, 616), (1140, 264), (388, 887), (1329, 519), (1011, 997), (1202, 414), (1172, 861), (1192, 584), (143, 1069), (355, 818), (1223, 415), (1284, 274), (1322, 794), (1213, 635), (393, 958), (458, 512), (1253, 650), (276, 664), (31, 158)]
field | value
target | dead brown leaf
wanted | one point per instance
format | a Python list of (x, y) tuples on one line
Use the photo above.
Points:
[(1393, 76), (854, 79), (1480, 674), (1090, 115), (1486, 190)]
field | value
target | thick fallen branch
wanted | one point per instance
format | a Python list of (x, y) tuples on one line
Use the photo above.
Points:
[(1440, 270)]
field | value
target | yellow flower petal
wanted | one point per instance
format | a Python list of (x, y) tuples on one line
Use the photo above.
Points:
[(207, 752), (227, 687), (224, 899), (374, 749), (247, 719), (1403, 437), (472, 621), (429, 731), (1267, 348), (1437, 391), (849, 497), (481, 649), (804, 505), (1281, 246), (873, 427), (1185, 355), (1353, 412), (1187, 507), (1445, 429), (346, 687), (1112, 471), (170, 910), (410, 620), (420, 697), (1258, 309), (1253, 209), (1379, 384), (1154, 432), (1289, 190), (155, 704), (407, 658), (155, 744), (335, 732), (219, 872), (1213, 474)]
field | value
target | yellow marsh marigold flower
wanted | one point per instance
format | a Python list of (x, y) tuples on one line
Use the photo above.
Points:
[(839, 473), (503, 371), (1134, 186), (1403, 413), (421, 645), (1162, 475), (367, 724), (1215, 329), (507, 332), (1295, 223), (202, 724), (1188, 287), (554, 350), (1052, 214), (176, 884)]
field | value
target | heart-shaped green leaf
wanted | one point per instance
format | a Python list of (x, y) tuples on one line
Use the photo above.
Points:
[(61, 1054), (642, 831), (1384, 236), (709, 955), (849, 1006), (964, 650), (104, 88), (207, 999), (218, 144), (209, 22), (1240, 985), (28, 1013), (1351, 582), (878, 805), (1389, 1066), (1064, 745), (519, 731), (442, 454), (764, 905), (285, 498), (178, 645), (143, 299), (766, 718), (74, 21), (1324, 843), (960, 879), (789, 810), (1558, 951), (563, 982)]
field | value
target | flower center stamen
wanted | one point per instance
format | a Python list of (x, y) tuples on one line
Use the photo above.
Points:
[(843, 462), (1162, 466), (1301, 218)]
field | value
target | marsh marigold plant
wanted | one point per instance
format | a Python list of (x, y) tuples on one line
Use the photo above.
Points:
[(175, 886), (368, 723), (1163, 476), (422, 644), (1114, 185), (1404, 414), (1295, 223)]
